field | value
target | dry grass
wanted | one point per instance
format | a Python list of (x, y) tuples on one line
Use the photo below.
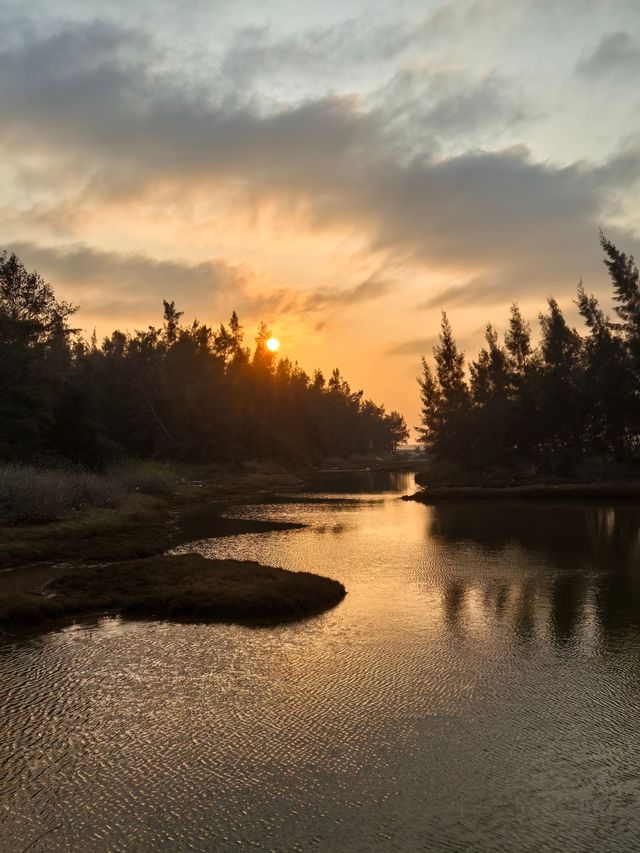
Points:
[(33, 495), (137, 527), (183, 588), (30, 495), (129, 513), (148, 478)]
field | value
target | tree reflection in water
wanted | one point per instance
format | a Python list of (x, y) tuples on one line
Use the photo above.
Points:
[(575, 567)]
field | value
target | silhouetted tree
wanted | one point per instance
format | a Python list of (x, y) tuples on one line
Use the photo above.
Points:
[(35, 358), (567, 400), (445, 399), (181, 391), (517, 342)]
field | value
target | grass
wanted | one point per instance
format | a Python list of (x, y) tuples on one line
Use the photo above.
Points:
[(34, 495), (114, 529), (183, 588), (123, 514), (139, 526)]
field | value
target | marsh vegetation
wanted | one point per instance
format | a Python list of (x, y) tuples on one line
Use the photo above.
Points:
[(184, 587)]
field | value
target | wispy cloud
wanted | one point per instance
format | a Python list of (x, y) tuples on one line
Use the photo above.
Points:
[(414, 346), (103, 280)]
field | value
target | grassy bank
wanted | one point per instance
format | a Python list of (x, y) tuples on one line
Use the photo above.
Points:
[(622, 490), (82, 544), (127, 513), (183, 588)]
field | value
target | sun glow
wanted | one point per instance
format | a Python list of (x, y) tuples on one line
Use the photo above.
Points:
[(273, 344)]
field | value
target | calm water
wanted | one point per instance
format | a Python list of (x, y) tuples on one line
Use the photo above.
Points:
[(478, 689)]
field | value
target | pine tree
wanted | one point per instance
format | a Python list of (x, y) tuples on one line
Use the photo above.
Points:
[(171, 318), (518, 342)]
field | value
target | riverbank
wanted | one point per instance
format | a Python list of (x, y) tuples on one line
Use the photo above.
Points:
[(623, 490), (142, 521), (184, 587), (113, 558)]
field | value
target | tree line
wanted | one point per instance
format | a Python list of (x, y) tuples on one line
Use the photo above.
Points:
[(553, 407), (183, 391)]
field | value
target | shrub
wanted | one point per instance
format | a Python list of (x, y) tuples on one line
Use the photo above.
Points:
[(29, 495)]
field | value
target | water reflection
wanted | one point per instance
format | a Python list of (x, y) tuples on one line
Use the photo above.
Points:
[(478, 689), (571, 568), (567, 534), (363, 482)]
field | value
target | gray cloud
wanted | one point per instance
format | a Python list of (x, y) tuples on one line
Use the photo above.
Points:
[(372, 288), (617, 53), (322, 300), (108, 283), (447, 105), (119, 121), (112, 285)]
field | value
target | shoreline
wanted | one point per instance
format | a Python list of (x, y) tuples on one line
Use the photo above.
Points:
[(183, 588), (115, 560), (618, 491), (143, 525)]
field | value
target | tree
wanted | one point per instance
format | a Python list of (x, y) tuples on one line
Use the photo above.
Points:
[(171, 319), (611, 402), (490, 373), (430, 399), (35, 358), (572, 397), (560, 344), (625, 277), (396, 430), (445, 399), (518, 341)]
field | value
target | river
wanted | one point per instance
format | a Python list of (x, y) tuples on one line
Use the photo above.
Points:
[(477, 690)]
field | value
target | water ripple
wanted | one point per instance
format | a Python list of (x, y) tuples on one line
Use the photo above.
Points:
[(475, 691)]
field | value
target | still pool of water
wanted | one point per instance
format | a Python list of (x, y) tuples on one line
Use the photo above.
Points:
[(478, 689)]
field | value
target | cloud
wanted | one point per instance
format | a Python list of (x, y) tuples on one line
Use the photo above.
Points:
[(372, 288), (617, 53), (415, 346), (466, 342), (109, 282), (256, 53), (444, 106), (321, 301), (477, 291), (90, 98)]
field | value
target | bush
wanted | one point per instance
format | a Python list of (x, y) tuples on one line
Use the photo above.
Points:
[(30, 495)]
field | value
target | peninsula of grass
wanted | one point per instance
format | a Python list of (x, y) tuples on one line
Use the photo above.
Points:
[(183, 588)]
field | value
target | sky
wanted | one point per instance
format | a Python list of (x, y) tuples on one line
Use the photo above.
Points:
[(342, 170)]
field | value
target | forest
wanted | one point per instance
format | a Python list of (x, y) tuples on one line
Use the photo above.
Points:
[(179, 391), (568, 404)]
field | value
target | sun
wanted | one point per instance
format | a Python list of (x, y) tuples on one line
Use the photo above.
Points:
[(273, 344)]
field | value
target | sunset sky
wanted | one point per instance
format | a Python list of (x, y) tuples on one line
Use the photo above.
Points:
[(342, 170)]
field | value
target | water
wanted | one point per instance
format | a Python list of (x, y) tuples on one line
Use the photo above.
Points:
[(478, 689)]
